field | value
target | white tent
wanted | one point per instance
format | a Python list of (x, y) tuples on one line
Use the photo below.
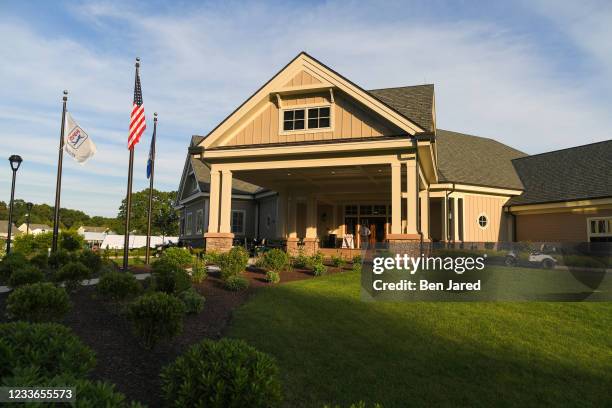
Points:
[(136, 241)]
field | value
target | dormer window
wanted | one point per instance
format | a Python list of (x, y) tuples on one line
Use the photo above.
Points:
[(306, 118)]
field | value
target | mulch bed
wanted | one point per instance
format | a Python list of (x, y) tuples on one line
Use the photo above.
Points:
[(134, 370)]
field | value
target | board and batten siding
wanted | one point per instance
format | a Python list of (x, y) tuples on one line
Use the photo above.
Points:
[(552, 227), (492, 206), (303, 78), (349, 120)]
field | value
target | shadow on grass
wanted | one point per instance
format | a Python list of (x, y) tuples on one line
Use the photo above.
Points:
[(333, 348)]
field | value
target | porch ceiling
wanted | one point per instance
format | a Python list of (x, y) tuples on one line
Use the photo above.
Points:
[(328, 180)]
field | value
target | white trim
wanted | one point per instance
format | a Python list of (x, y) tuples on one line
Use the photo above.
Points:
[(598, 234), (482, 214), (243, 222), (193, 197), (305, 107)]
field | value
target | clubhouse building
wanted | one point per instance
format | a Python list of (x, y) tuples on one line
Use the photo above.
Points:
[(313, 160)]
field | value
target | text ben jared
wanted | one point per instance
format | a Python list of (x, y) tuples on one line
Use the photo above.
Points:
[(392, 265)]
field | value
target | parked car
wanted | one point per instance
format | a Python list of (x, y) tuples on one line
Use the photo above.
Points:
[(540, 258)]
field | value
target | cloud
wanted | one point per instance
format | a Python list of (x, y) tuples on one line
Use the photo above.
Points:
[(201, 61)]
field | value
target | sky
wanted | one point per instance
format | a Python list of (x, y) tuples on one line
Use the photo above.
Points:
[(536, 75)]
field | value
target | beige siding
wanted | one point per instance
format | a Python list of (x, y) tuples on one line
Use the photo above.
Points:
[(492, 206), (349, 120), (302, 78), (267, 218), (556, 226)]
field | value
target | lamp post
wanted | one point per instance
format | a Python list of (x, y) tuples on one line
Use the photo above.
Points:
[(29, 206), (15, 161)]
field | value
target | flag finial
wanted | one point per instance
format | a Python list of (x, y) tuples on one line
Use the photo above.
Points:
[(155, 116), (65, 97), (137, 62)]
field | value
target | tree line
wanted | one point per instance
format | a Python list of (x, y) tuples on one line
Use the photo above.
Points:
[(164, 216)]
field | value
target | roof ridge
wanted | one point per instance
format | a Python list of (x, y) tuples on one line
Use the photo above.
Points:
[(485, 138), (398, 87), (565, 148)]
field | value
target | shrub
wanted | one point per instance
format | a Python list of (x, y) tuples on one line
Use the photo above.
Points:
[(25, 275), (198, 272), (276, 260), (357, 259), (356, 268), (11, 263), (59, 258), (319, 269), (38, 302), (179, 256), (156, 316), (193, 301), (359, 404), (91, 260), (233, 263), (118, 286), (210, 258), (337, 261), (28, 244), (100, 394), (272, 277), (72, 274), (301, 260), (224, 373), (169, 277), (71, 241), (40, 260), (236, 283), (315, 260), (49, 349)]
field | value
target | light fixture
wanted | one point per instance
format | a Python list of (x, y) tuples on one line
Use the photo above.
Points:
[(15, 161)]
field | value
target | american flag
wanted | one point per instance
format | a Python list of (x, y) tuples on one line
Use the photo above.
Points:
[(137, 120)]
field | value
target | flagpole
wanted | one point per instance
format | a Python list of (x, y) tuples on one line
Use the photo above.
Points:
[(58, 182), (148, 250), (128, 210)]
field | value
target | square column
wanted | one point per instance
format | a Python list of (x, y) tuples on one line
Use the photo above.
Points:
[(425, 214), (412, 197), (292, 238), (396, 198), (219, 237), (311, 241), (281, 216), (215, 195), (226, 202)]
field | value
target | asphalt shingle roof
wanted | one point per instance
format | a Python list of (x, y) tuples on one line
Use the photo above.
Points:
[(202, 174), (414, 102), (476, 160), (576, 173)]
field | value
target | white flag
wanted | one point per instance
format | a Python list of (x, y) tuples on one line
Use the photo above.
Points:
[(77, 143)]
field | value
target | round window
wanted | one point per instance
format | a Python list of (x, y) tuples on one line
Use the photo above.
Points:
[(482, 221)]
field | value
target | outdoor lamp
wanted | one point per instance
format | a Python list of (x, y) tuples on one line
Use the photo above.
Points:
[(15, 162)]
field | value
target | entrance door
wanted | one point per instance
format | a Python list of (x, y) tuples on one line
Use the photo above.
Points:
[(377, 229)]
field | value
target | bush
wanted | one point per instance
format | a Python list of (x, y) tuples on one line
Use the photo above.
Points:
[(59, 258), (359, 404), (236, 283), (179, 256), (198, 272), (91, 260), (337, 261), (11, 263), (71, 241), (25, 275), (357, 259), (319, 269), (272, 277), (38, 302), (210, 258), (72, 274), (118, 286), (301, 260), (99, 394), (156, 316), (276, 260), (315, 260), (224, 373), (49, 349), (192, 300), (40, 260), (356, 268), (169, 277), (233, 263)]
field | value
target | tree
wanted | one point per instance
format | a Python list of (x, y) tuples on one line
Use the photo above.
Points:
[(164, 221)]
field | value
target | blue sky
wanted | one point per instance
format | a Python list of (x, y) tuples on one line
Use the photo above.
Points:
[(536, 75)]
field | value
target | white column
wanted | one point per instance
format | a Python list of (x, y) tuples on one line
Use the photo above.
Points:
[(281, 214), (396, 198), (425, 213), (411, 197), (215, 195), (455, 231), (444, 217), (226, 202), (292, 216), (311, 217)]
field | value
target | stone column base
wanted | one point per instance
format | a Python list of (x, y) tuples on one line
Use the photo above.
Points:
[(292, 246), (410, 244), (218, 241), (311, 246)]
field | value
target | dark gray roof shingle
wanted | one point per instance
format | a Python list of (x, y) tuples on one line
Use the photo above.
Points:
[(414, 102), (476, 160), (576, 173), (202, 174)]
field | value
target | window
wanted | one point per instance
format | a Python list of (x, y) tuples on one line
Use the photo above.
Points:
[(600, 229), (238, 222), (182, 226), (303, 119), (351, 210), (189, 224), (199, 221), (483, 221)]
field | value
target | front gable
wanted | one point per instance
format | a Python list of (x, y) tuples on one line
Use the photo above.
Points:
[(305, 85), (189, 184)]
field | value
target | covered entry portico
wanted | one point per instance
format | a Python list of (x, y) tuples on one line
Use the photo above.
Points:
[(328, 189)]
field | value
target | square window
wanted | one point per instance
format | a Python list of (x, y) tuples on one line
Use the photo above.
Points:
[(299, 114), (324, 122), (288, 125), (299, 124), (313, 113), (324, 112), (288, 115), (312, 123), (238, 222), (311, 118)]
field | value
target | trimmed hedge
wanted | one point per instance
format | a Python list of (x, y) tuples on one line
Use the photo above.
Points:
[(224, 373), (72, 274), (192, 300), (118, 286), (156, 316), (233, 263), (169, 277), (276, 260), (11, 263), (179, 256), (38, 302), (236, 283), (24, 276)]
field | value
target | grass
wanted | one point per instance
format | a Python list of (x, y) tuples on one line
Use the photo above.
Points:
[(334, 348)]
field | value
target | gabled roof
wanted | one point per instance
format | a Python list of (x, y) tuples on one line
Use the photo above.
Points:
[(577, 173), (414, 102), (38, 226), (93, 229), (475, 160), (4, 227), (202, 175)]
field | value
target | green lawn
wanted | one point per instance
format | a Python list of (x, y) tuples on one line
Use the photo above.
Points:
[(334, 348)]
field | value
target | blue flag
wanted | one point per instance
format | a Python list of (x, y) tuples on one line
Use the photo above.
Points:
[(151, 156)]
